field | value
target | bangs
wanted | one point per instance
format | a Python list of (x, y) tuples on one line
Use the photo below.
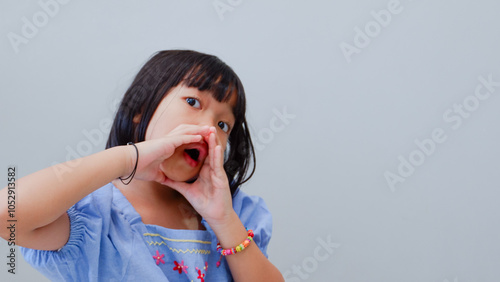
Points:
[(219, 80)]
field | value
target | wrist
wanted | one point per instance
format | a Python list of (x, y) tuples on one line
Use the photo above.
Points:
[(223, 222), (229, 232), (128, 159)]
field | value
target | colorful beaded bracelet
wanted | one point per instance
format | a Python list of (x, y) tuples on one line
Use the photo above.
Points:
[(237, 249)]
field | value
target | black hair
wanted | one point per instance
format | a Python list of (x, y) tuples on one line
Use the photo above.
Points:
[(167, 69)]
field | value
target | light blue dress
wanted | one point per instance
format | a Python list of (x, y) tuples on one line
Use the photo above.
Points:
[(109, 242)]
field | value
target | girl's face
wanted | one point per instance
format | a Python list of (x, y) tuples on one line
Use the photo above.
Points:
[(188, 105)]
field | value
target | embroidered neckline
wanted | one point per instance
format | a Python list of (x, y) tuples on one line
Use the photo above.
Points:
[(176, 250), (185, 251), (176, 240)]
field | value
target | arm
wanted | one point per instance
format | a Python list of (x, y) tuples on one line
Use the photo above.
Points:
[(45, 196), (210, 196), (250, 264)]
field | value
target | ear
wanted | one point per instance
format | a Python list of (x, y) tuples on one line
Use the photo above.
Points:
[(137, 118)]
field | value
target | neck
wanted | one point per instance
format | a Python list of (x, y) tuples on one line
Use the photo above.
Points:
[(160, 205)]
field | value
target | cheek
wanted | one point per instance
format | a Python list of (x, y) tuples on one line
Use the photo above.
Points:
[(159, 128), (165, 118), (222, 140)]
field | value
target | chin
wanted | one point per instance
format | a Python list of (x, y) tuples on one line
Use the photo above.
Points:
[(182, 175)]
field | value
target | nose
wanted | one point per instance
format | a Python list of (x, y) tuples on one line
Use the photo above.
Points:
[(208, 120), (211, 121)]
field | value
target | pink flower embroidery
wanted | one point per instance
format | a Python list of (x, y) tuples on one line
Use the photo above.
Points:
[(180, 267), (159, 258)]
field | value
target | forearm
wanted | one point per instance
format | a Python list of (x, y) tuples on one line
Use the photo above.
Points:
[(42, 197), (250, 264)]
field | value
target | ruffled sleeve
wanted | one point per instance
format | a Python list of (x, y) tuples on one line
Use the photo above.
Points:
[(254, 215), (79, 257)]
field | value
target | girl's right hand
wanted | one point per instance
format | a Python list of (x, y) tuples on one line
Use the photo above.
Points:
[(153, 152)]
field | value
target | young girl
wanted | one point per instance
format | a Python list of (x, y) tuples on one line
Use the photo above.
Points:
[(161, 203)]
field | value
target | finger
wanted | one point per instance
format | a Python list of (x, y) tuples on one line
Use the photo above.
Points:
[(190, 129), (180, 140), (212, 146), (210, 131), (218, 166), (205, 169), (218, 160), (180, 187), (207, 164)]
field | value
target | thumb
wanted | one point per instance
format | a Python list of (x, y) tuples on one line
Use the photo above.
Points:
[(180, 187)]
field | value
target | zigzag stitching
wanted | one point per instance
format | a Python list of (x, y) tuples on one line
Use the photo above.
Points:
[(197, 251), (156, 243)]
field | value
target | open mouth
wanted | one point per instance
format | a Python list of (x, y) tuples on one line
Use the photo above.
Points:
[(194, 154)]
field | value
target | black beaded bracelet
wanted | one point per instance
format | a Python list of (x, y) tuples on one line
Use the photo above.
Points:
[(131, 176)]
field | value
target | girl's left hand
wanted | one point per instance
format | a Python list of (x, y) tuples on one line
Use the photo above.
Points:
[(209, 195)]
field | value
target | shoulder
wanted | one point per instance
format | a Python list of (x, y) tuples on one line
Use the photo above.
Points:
[(100, 198), (88, 220), (247, 205), (94, 210)]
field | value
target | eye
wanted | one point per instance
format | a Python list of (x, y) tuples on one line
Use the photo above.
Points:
[(224, 126), (193, 102)]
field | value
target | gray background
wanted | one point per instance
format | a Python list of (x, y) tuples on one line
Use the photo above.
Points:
[(322, 174)]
